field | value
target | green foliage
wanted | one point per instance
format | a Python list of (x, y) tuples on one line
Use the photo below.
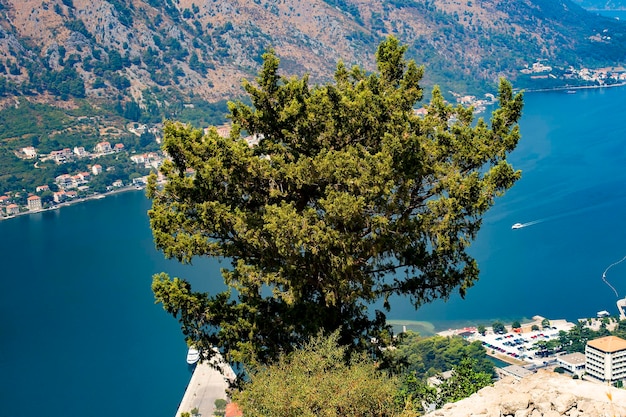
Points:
[(315, 381), (481, 329), (466, 379), (77, 25), (349, 198), (220, 407), (545, 323), (498, 327), (414, 392), (429, 356), (516, 325), (534, 327)]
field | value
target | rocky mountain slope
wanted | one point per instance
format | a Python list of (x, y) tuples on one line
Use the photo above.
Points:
[(542, 394), (160, 53)]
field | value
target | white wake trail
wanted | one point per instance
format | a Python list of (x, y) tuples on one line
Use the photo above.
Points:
[(606, 270)]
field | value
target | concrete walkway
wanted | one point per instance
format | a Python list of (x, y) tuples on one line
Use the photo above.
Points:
[(206, 385)]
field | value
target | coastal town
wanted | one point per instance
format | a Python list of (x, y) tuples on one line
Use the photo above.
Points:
[(74, 187), (526, 348)]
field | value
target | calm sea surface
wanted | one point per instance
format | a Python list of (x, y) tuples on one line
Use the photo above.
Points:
[(81, 336)]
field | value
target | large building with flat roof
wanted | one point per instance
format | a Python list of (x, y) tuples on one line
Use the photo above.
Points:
[(605, 359), (574, 363)]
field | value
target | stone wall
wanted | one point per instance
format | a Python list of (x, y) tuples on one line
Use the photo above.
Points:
[(545, 393)]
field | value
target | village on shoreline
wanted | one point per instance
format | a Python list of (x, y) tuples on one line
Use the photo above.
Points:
[(524, 349)]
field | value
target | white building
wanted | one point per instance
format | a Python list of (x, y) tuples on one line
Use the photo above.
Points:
[(103, 147), (574, 363), (606, 359), (80, 151), (30, 152), (61, 156), (65, 182), (12, 209), (96, 169)]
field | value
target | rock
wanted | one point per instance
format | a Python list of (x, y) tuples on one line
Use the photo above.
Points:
[(543, 407), (523, 413), (540, 395), (514, 402), (563, 402)]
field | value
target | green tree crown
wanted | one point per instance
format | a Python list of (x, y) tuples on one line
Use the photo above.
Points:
[(349, 197)]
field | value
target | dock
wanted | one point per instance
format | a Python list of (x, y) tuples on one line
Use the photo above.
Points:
[(207, 384)]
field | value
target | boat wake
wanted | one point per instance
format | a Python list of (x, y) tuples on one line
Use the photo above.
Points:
[(521, 225), (607, 269)]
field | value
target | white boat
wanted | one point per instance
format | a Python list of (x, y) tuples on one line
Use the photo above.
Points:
[(193, 355), (517, 226)]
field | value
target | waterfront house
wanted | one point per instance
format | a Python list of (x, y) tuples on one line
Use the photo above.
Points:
[(71, 194), (34, 202), (605, 359), (59, 196), (4, 200), (12, 209), (118, 183)]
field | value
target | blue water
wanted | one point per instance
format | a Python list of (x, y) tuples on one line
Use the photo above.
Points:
[(81, 335), (572, 155), (79, 331)]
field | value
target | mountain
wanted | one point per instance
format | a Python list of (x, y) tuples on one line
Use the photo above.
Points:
[(161, 52), (75, 71)]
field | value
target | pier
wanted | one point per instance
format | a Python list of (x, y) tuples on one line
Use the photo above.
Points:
[(207, 384)]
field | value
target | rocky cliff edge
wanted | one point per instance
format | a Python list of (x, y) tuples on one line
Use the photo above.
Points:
[(544, 393)]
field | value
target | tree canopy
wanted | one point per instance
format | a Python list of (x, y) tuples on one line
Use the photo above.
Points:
[(348, 198), (315, 381)]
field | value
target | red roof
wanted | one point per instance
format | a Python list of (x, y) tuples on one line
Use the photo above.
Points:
[(233, 410), (34, 197)]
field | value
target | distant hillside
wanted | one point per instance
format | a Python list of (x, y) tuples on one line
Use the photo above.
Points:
[(90, 67), (161, 53), (602, 4)]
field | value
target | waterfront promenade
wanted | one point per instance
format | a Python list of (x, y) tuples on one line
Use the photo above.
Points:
[(207, 384)]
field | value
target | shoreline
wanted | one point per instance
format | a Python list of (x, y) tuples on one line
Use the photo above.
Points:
[(580, 87), (98, 196)]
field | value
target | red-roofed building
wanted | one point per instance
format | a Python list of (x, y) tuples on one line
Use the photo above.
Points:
[(605, 359), (34, 202), (12, 209), (4, 199), (43, 188), (103, 147), (96, 169), (59, 196), (118, 147)]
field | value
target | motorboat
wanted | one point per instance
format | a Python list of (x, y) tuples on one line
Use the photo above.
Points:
[(193, 355), (517, 226)]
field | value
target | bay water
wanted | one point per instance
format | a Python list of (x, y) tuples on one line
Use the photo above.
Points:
[(80, 334)]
